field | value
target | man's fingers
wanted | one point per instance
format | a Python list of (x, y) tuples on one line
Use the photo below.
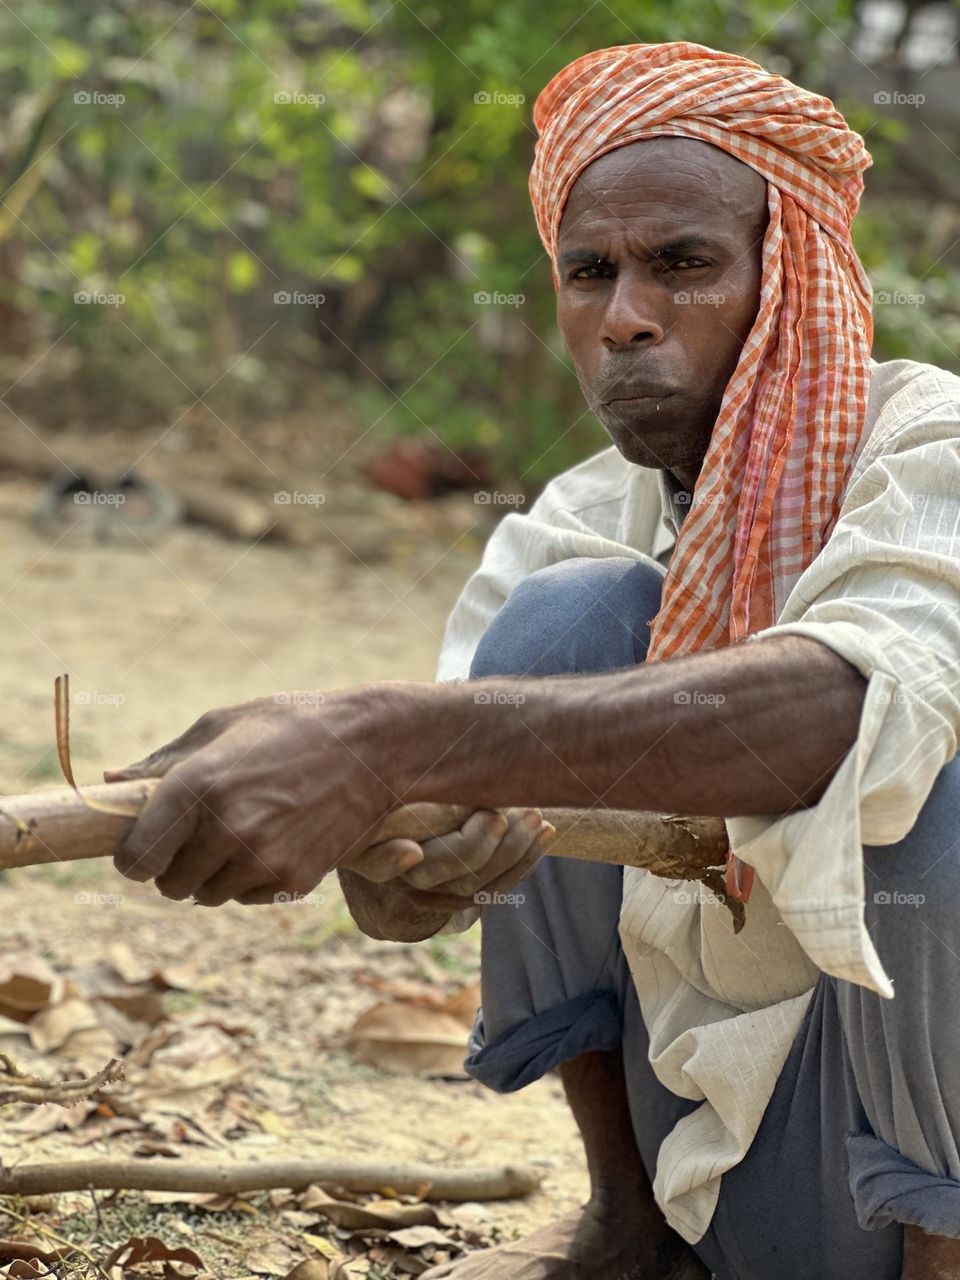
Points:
[(460, 853), (525, 825), (385, 861), (166, 822), (193, 865), (244, 884), (520, 870), (525, 828)]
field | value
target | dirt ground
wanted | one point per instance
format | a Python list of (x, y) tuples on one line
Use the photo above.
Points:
[(152, 635)]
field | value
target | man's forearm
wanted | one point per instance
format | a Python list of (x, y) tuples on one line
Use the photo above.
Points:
[(757, 728)]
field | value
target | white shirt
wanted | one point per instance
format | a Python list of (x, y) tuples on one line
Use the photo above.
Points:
[(723, 1010)]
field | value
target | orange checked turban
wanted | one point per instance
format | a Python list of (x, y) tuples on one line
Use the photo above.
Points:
[(792, 415)]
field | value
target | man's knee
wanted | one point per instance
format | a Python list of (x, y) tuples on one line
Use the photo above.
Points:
[(580, 615)]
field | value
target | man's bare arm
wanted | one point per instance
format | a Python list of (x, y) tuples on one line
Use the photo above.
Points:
[(247, 790), (757, 728)]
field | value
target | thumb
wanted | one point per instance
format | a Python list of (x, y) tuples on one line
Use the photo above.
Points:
[(155, 765), (159, 762), (388, 860)]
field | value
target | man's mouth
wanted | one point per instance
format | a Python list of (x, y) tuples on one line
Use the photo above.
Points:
[(635, 400)]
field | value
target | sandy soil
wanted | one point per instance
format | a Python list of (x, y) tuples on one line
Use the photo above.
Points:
[(152, 636)]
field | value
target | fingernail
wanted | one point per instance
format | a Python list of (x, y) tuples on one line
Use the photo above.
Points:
[(499, 823), (532, 819), (547, 832)]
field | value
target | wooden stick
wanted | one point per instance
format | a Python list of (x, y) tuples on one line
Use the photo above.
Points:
[(57, 826), (433, 1183)]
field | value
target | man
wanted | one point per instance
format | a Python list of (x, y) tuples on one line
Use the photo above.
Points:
[(747, 608)]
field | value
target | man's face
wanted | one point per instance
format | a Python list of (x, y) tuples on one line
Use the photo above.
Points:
[(659, 265)]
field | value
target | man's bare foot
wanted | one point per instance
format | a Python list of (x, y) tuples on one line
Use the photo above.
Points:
[(592, 1245)]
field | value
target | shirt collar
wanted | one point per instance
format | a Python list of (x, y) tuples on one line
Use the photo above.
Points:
[(671, 514)]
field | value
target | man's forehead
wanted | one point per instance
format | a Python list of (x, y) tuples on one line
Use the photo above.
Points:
[(666, 171)]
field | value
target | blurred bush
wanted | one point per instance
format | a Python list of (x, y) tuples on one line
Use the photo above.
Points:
[(223, 203)]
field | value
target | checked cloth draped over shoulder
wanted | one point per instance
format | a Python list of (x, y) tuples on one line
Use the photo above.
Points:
[(791, 419)]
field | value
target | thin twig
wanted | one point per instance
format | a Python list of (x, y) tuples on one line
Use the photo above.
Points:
[(19, 1086), (500, 1183)]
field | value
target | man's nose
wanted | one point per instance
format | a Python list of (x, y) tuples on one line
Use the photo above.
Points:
[(631, 317)]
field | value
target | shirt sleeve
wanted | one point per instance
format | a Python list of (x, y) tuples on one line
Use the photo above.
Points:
[(885, 595)]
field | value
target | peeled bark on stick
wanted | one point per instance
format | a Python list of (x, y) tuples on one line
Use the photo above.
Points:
[(464, 1184), (56, 826)]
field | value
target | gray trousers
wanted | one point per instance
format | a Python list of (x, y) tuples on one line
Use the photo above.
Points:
[(861, 1135)]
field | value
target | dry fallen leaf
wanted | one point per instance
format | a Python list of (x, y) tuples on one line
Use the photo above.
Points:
[(149, 1249), (52, 1027), (27, 984), (49, 1117), (417, 1237), (410, 1038), (21, 1251), (138, 1004), (463, 1004), (131, 967), (270, 1122), (315, 1269), (274, 1259), (190, 1060), (373, 1213), (138, 970)]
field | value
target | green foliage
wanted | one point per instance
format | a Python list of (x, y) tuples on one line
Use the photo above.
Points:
[(374, 153)]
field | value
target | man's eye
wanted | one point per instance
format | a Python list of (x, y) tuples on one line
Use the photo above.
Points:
[(689, 264), (592, 271)]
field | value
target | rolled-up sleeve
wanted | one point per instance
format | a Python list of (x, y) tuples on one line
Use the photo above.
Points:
[(885, 595)]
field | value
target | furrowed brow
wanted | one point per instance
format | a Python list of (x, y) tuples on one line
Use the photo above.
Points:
[(674, 247), (572, 257), (679, 246)]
